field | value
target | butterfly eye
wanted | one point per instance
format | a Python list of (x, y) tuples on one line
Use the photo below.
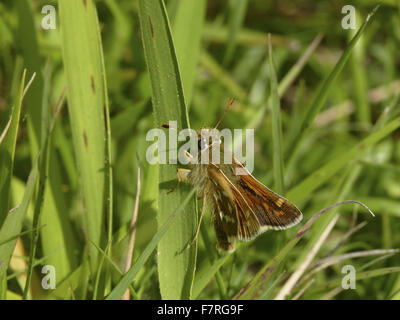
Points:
[(201, 144)]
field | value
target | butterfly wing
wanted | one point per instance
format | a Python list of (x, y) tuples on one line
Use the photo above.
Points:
[(224, 220), (233, 218), (243, 207), (272, 210)]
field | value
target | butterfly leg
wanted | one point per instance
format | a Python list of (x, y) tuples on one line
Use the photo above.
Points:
[(182, 177), (203, 209), (174, 188), (183, 174)]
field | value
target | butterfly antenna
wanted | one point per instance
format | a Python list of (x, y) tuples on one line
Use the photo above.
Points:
[(226, 110)]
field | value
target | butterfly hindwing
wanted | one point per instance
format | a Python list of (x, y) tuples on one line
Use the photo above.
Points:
[(232, 209)]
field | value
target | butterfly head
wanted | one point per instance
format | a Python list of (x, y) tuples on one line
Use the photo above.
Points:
[(208, 137)]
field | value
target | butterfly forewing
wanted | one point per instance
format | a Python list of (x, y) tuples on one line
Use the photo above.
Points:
[(271, 210), (243, 207)]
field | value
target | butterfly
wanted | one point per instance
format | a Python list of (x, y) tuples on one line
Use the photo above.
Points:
[(240, 205)]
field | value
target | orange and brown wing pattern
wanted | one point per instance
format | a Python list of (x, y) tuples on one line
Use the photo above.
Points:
[(243, 207), (271, 210)]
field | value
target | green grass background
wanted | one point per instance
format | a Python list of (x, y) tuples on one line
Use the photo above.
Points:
[(324, 103)]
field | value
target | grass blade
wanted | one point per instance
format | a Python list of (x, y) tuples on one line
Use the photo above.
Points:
[(237, 14), (250, 291), (295, 70), (47, 128), (357, 60), (28, 41), (19, 235), (13, 225), (294, 278), (175, 265), (286, 81), (126, 280), (205, 278), (322, 175), (187, 40), (322, 94), (360, 276), (276, 126), (87, 103), (7, 151), (223, 77)]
